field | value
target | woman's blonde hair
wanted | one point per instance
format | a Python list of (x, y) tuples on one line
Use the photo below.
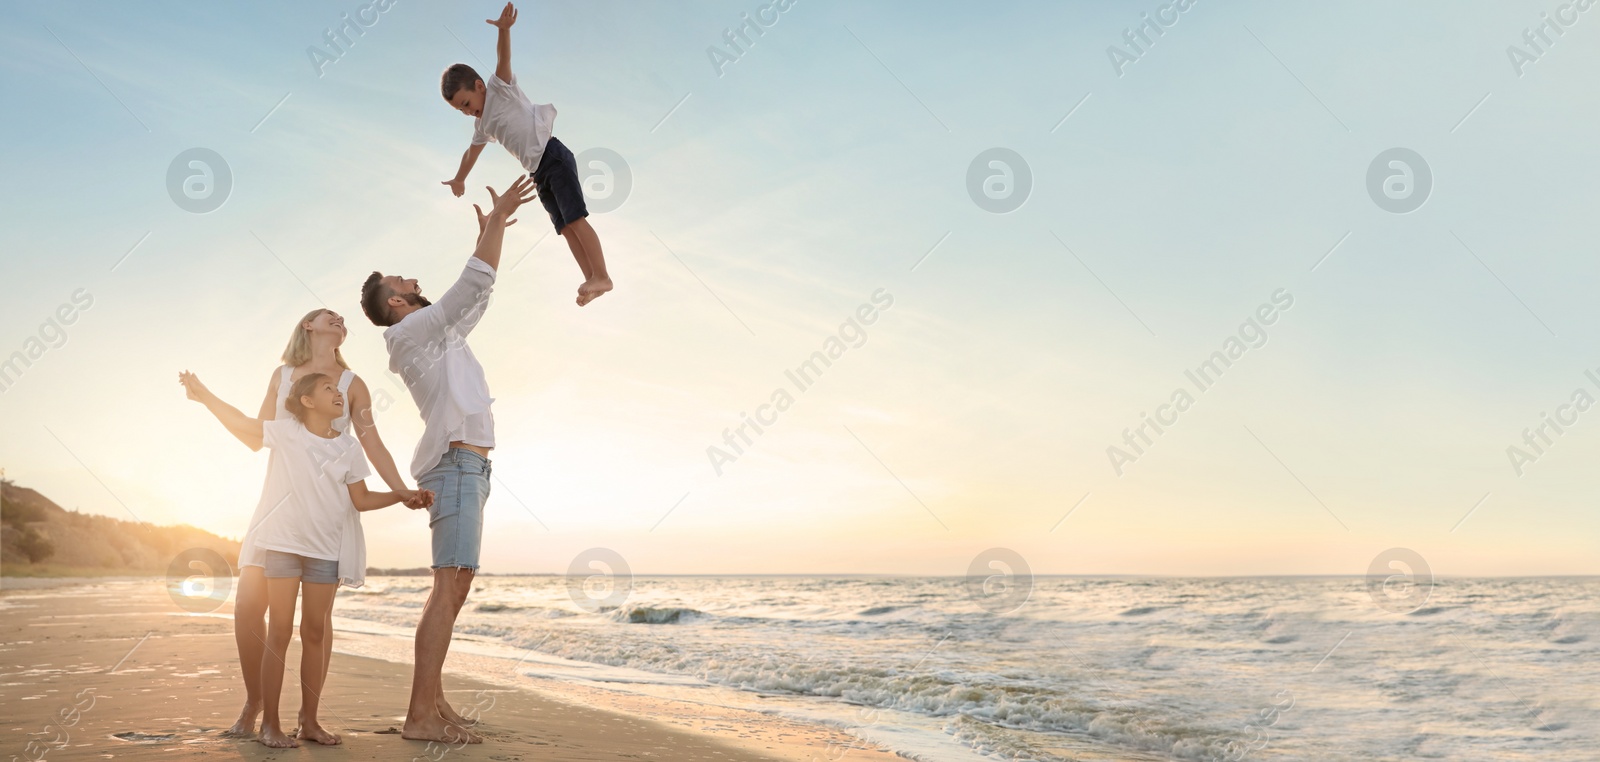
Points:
[(298, 352)]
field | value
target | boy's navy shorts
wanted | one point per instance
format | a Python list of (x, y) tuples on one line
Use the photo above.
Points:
[(560, 190)]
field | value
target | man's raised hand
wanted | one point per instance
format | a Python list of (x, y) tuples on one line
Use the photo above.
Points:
[(507, 18), (521, 192), (483, 220)]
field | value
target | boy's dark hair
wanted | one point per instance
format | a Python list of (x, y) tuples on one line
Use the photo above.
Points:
[(303, 388), (375, 300), (455, 78)]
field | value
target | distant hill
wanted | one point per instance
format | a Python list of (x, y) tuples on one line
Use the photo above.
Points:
[(40, 538)]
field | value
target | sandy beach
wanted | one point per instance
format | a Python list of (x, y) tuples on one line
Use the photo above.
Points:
[(115, 670)]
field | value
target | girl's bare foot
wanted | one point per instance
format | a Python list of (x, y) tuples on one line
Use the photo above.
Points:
[(314, 732), (274, 737), (245, 726)]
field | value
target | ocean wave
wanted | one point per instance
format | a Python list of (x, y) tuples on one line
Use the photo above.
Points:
[(656, 615), (546, 612), (1152, 674), (370, 590), (994, 713)]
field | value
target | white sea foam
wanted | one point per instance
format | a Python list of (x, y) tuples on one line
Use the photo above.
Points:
[(1292, 668)]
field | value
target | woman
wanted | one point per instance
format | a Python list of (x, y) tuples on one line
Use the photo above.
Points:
[(313, 348), (302, 540)]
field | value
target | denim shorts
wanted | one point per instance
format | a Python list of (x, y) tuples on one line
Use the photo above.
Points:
[(460, 484), (560, 190), (280, 565)]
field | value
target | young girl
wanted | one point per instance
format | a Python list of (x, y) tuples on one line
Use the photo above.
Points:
[(316, 485), (313, 348)]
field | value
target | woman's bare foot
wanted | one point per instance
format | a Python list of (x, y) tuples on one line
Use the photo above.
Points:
[(314, 732), (245, 726), (591, 289), (274, 737), (434, 728), (451, 717)]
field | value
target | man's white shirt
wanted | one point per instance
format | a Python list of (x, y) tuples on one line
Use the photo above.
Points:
[(428, 349)]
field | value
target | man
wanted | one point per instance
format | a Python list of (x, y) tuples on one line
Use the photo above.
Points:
[(427, 345)]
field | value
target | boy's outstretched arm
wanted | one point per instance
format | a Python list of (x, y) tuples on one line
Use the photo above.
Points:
[(502, 48), (458, 184), (247, 429)]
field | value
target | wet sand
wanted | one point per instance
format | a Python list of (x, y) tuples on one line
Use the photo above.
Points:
[(92, 670)]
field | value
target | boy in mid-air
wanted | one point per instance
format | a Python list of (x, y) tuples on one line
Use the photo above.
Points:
[(506, 116)]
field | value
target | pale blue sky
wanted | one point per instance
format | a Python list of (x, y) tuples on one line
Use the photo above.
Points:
[(819, 167)]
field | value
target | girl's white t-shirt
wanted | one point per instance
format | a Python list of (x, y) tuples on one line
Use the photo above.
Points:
[(312, 500), (353, 549)]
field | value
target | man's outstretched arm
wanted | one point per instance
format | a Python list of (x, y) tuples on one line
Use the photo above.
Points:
[(492, 228), (463, 303), (483, 221)]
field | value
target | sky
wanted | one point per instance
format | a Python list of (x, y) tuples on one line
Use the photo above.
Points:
[(1163, 194)]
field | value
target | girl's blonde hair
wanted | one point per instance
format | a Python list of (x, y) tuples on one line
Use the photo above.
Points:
[(298, 352)]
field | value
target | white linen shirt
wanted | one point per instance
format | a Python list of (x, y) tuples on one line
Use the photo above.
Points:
[(353, 545), (428, 349), (513, 121), (311, 500)]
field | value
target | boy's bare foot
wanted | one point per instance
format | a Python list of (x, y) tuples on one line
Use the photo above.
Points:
[(449, 715), (591, 289), (434, 728), (314, 732), (274, 737), (245, 726)]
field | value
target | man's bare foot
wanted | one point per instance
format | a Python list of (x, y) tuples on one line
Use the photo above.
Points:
[(274, 737), (245, 726), (451, 717), (434, 728), (314, 732), (592, 289)]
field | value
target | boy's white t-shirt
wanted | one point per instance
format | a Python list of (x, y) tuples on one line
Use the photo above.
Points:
[(513, 121), (310, 501)]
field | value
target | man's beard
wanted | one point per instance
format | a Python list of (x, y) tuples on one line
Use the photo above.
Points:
[(415, 300)]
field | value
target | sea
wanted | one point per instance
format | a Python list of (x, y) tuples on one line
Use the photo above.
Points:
[(1070, 668)]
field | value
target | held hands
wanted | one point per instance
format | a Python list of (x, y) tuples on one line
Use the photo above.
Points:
[(507, 18), (418, 498), (457, 186), (192, 387), (521, 192)]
